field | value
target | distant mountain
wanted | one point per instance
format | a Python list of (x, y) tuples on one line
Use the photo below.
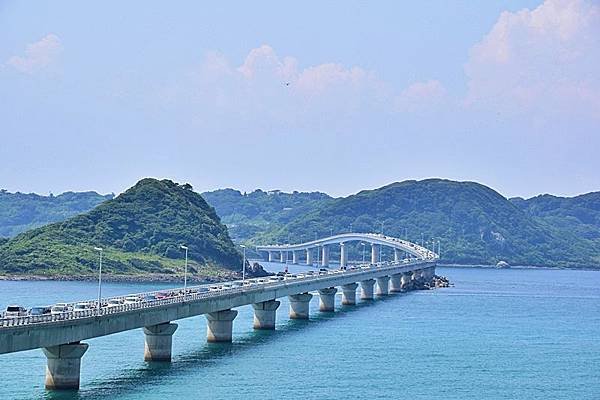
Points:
[(579, 215), (141, 231), (20, 212), (251, 214), (475, 224)]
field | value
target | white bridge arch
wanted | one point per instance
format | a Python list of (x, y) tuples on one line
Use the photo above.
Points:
[(374, 239)]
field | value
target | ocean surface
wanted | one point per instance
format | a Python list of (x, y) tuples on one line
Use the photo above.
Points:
[(497, 334)]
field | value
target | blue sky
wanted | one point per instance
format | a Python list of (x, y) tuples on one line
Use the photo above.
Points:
[(328, 96)]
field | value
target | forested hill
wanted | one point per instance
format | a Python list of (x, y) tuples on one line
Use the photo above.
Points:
[(141, 231), (20, 211), (250, 214), (579, 215), (475, 224)]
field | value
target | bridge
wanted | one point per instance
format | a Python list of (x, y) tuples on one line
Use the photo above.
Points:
[(323, 246), (60, 336)]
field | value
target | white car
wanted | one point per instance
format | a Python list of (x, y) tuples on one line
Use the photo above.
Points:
[(14, 311), (82, 307), (115, 302), (60, 308), (132, 299)]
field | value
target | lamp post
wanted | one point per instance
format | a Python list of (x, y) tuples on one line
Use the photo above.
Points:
[(243, 263), (185, 269), (99, 249)]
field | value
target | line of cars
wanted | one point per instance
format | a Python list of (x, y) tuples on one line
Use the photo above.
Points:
[(15, 311)]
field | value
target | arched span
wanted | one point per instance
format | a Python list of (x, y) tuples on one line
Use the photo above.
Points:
[(372, 238)]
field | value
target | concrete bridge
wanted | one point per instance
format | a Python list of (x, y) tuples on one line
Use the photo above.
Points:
[(306, 251), (60, 336)]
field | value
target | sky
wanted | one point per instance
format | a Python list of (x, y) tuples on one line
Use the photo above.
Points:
[(335, 96)]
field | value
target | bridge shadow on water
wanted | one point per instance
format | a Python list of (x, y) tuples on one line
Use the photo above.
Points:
[(151, 373)]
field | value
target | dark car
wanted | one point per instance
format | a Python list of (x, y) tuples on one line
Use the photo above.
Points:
[(40, 310)]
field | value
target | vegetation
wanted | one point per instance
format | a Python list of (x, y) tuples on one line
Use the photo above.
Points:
[(250, 214), (141, 231), (474, 224), (20, 212)]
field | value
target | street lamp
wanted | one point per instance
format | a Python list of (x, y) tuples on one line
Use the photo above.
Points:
[(99, 249), (185, 270), (244, 263)]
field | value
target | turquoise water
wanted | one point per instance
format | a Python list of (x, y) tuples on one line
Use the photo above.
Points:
[(498, 334)]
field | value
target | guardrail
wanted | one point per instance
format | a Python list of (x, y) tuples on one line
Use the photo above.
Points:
[(191, 296)]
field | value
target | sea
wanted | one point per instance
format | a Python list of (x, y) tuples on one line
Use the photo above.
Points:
[(496, 334)]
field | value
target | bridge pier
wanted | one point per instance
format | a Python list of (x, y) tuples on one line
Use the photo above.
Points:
[(294, 257), (265, 314), (428, 273), (299, 305), (397, 255), (325, 256), (282, 256), (349, 294), (395, 283), (271, 256), (309, 258), (366, 289), (343, 255), (219, 326), (382, 286), (374, 253), (405, 281), (159, 342), (64, 365), (327, 299), (416, 275)]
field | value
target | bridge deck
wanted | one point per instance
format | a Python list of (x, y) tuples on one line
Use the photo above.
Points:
[(25, 333)]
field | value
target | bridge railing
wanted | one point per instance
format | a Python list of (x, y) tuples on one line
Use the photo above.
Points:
[(180, 297)]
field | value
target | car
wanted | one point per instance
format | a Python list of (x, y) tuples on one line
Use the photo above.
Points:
[(39, 310), (82, 307), (162, 295), (281, 273), (214, 288), (115, 302), (227, 286), (237, 283), (150, 297), (132, 299), (60, 308), (310, 272), (274, 278), (14, 311), (323, 270), (262, 280), (202, 290)]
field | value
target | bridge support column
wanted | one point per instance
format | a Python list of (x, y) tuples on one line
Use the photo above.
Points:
[(64, 365), (428, 273), (309, 257), (325, 256), (366, 289), (159, 341), (397, 255), (405, 281), (282, 256), (219, 326), (416, 275), (265, 314), (396, 283), (295, 257), (349, 294), (374, 253), (299, 305), (327, 299), (271, 256), (382, 286), (343, 255)]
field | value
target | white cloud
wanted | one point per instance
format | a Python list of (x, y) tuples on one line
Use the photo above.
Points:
[(421, 96), (38, 55), (278, 87), (544, 60)]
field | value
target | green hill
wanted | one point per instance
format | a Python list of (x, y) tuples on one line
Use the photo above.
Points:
[(475, 224), (250, 214), (20, 212), (579, 215), (141, 231)]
